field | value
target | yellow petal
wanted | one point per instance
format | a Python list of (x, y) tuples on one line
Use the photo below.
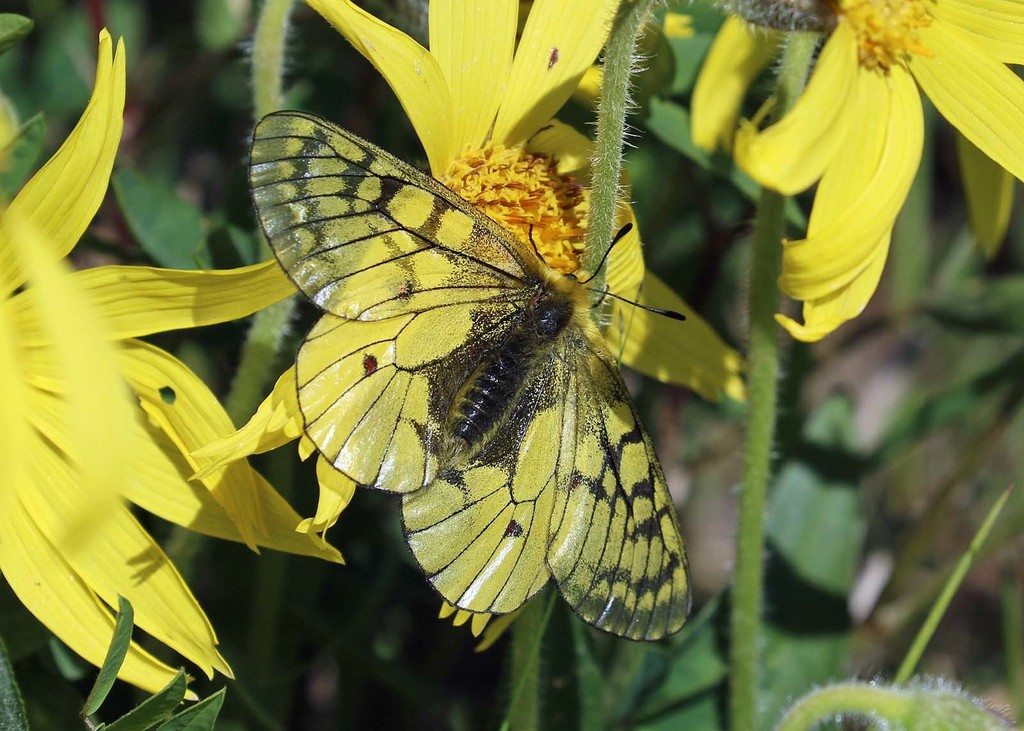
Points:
[(94, 412), (336, 491), (978, 94), (559, 43), (61, 199), (122, 560), (989, 192), (410, 70), (478, 623), (626, 259), (822, 316), (678, 25), (447, 610), (686, 353), (737, 55), (495, 629), (276, 422), (162, 487), (588, 92), (190, 415), (792, 154), (862, 191), (998, 25), (52, 591), (138, 300), (473, 47)]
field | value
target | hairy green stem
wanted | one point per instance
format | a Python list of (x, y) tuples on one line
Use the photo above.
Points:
[(259, 353), (769, 226), (614, 104), (857, 698)]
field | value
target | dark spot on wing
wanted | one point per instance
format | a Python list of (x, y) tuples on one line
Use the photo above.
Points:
[(514, 530), (369, 364)]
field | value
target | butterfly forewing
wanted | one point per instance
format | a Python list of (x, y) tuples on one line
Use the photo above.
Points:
[(453, 367)]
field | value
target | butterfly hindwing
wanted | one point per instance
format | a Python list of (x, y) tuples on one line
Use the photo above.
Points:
[(364, 235)]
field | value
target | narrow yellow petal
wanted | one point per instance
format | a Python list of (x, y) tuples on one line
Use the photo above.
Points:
[(570, 149), (410, 70), (276, 422), (998, 25), (862, 191), (559, 43), (138, 301), (978, 94), (447, 610), (588, 91), (626, 260), (737, 55), (686, 353), (495, 629), (478, 623), (822, 316), (122, 560), (191, 416), (336, 491), (162, 487), (792, 154), (61, 199), (989, 192), (15, 432), (52, 591), (473, 47)]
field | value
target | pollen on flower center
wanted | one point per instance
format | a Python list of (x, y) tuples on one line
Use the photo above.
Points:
[(525, 193), (887, 30)]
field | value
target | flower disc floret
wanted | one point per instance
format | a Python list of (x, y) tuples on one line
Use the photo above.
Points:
[(887, 30), (525, 193)]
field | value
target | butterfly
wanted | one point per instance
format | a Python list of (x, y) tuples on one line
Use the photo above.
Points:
[(454, 367)]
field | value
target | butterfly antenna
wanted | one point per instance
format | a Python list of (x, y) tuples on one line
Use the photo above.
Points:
[(670, 314), (534, 245), (618, 237)]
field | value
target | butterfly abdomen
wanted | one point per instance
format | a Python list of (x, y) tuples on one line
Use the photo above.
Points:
[(492, 387)]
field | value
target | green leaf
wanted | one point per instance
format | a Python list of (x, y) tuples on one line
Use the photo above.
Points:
[(12, 710), (815, 528), (13, 28), (155, 709), (671, 124), (167, 228), (200, 717), (20, 155), (116, 653), (983, 306)]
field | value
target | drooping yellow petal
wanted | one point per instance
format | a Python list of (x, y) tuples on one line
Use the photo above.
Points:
[(336, 491), (61, 199), (792, 154), (162, 487), (138, 301), (998, 25), (495, 629), (276, 422), (988, 189), (191, 416), (822, 316), (55, 594), (559, 43), (122, 560), (687, 353), (473, 47), (979, 95), (411, 71), (863, 188), (737, 55)]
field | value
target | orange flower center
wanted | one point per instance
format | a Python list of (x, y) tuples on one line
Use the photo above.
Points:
[(525, 193), (887, 30)]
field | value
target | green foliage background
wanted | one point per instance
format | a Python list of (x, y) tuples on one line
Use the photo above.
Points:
[(896, 434)]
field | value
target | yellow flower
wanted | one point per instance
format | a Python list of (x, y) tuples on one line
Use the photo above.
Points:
[(92, 415), (857, 130)]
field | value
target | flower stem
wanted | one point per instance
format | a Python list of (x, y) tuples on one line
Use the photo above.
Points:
[(259, 353), (745, 672), (856, 698), (614, 104)]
